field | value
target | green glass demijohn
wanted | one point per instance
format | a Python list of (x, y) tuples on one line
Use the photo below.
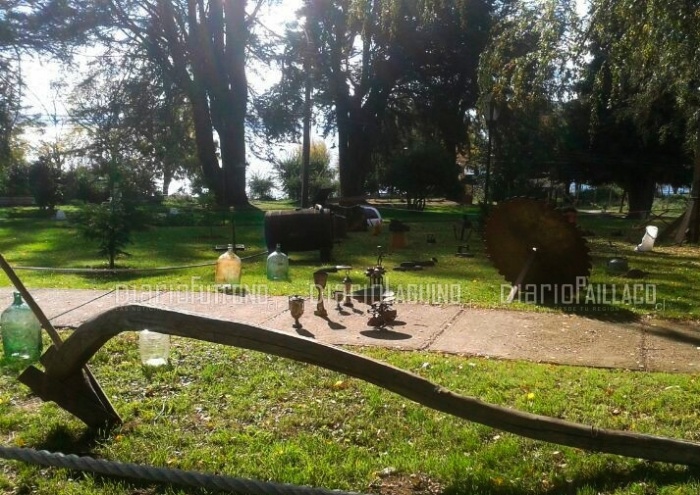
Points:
[(277, 265), (21, 332)]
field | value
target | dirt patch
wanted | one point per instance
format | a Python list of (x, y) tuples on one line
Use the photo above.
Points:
[(405, 484), (30, 404)]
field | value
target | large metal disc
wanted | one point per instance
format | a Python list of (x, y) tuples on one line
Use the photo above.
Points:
[(518, 226)]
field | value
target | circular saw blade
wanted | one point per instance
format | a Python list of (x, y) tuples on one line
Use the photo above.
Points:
[(518, 226)]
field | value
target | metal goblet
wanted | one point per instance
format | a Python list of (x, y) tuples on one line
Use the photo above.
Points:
[(296, 308), (338, 297), (320, 279), (347, 284)]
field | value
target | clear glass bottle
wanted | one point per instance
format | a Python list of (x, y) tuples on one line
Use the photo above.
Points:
[(154, 348), (21, 332), (228, 268), (277, 265)]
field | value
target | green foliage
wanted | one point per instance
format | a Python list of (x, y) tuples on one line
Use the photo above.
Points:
[(110, 224), (29, 28), (158, 115), (442, 47), (529, 70), (45, 181), (649, 52), (261, 187), (189, 53), (381, 71), (83, 184), (9, 110), (13, 147), (426, 170), (14, 180), (641, 88), (321, 174)]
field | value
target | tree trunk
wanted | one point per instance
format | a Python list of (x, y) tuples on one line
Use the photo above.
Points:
[(694, 224), (206, 148), (344, 159), (359, 151), (640, 194), (204, 48), (356, 144), (167, 179), (232, 88), (233, 161)]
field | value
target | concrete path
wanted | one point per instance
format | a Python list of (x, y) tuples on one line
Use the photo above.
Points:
[(648, 344)]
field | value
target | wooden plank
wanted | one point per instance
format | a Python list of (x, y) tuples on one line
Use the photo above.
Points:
[(93, 334)]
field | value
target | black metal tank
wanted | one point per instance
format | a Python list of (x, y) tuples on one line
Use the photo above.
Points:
[(300, 230)]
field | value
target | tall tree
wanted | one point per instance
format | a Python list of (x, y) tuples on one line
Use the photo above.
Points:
[(443, 49), (30, 28), (160, 120), (101, 109), (529, 71), (379, 66), (654, 47), (9, 110), (201, 46), (45, 179), (358, 67)]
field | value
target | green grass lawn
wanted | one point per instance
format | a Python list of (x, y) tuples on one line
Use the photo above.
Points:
[(241, 413), (244, 414), (189, 238)]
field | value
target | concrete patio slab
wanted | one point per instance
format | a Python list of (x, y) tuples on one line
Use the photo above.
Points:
[(648, 345), (672, 347), (552, 338)]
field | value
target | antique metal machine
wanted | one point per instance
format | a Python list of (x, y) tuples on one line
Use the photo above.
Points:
[(376, 295)]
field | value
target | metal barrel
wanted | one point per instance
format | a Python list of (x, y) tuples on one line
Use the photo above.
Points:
[(300, 230)]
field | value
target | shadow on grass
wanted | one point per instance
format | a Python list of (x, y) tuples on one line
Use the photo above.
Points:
[(651, 476), (65, 441)]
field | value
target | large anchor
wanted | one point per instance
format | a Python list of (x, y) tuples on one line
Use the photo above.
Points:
[(78, 393)]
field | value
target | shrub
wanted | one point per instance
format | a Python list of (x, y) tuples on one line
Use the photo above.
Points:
[(261, 187), (110, 224), (45, 183), (321, 174), (423, 171)]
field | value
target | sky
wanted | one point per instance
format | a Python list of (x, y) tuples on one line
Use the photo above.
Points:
[(41, 99)]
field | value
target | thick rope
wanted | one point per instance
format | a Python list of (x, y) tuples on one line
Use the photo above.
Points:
[(81, 305), (110, 270), (160, 475), (125, 270)]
